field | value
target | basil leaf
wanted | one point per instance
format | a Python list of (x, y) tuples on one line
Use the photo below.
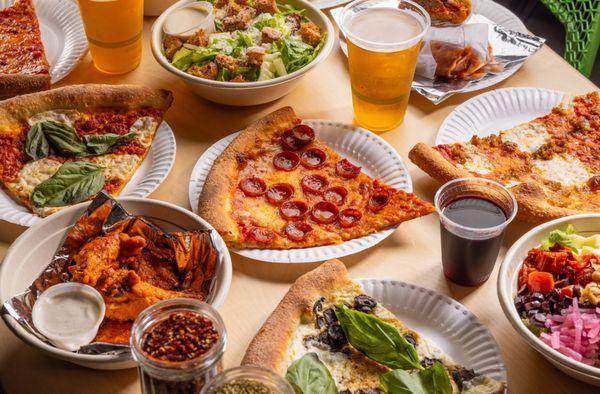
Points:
[(63, 138), (36, 145), (99, 144), (380, 341), (72, 183), (308, 375), (433, 380)]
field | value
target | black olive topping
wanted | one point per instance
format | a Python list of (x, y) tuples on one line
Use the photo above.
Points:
[(428, 362), (410, 339), (461, 375), (364, 303)]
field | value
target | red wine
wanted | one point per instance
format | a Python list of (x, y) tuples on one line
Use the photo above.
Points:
[(470, 261)]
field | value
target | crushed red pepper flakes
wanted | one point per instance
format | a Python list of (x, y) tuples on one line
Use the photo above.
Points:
[(180, 337)]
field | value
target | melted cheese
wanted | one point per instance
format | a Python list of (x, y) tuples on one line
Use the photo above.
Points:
[(67, 116), (566, 170), (528, 137), (32, 174), (476, 162), (117, 166), (146, 127)]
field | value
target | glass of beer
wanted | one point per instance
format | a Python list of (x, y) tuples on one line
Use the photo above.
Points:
[(384, 39), (114, 32)]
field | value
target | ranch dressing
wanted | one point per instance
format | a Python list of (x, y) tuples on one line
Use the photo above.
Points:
[(69, 314)]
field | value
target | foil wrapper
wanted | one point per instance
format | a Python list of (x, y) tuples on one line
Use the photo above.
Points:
[(510, 49), (103, 215)]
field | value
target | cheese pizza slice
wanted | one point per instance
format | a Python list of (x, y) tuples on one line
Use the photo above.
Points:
[(62, 146), (327, 336), (276, 186), (551, 163), (23, 64)]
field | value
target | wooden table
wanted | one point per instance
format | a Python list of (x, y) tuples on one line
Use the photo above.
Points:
[(411, 254)]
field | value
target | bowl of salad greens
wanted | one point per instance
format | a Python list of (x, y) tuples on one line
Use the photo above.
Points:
[(549, 289), (250, 52)]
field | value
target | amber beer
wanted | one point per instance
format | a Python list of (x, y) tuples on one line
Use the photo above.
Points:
[(114, 32), (384, 38)]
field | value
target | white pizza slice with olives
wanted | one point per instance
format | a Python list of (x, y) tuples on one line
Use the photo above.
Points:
[(327, 336)]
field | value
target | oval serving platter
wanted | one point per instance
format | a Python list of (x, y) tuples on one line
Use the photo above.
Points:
[(153, 170), (377, 158)]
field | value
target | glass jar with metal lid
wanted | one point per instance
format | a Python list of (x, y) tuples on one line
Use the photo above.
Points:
[(248, 380), (178, 345)]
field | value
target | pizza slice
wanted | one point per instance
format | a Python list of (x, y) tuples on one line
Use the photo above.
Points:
[(447, 11), (327, 336), (277, 186), (62, 146), (23, 64), (551, 163)]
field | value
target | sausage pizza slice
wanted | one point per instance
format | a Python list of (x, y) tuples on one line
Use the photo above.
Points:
[(327, 336), (276, 186)]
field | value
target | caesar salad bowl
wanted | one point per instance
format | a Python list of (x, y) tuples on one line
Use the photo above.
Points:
[(254, 92)]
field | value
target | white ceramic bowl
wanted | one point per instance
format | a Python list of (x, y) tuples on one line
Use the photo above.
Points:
[(32, 251), (507, 289), (245, 93)]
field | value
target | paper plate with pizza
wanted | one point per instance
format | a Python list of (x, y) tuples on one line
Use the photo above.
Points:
[(543, 145), (62, 146), (332, 334), (288, 190)]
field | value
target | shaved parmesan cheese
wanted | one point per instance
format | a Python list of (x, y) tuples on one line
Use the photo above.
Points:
[(529, 137), (566, 170), (476, 162), (67, 116)]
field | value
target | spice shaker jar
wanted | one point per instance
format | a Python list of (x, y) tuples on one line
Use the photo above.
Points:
[(247, 379), (178, 345)]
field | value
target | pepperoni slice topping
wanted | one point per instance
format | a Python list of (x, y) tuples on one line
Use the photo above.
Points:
[(297, 231), (297, 137), (379, 199), (286, 161), (262, 235), (336, 195), (324, 212), (292, 210), (279, 193), (314, 183), (349, 217), (313, 158), (345, 169), (253, 186)]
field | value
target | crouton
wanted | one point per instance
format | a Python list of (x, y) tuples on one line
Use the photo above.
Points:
[(310, 33), (239, 78), (227, 62), (270, 34), (266, 6), (293, 21), (255, 57), (172, 44), (200, 38), (208, 71), (240, 21)]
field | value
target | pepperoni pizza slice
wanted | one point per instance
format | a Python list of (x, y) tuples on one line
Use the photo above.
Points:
[(62, 146), (277, 186), (23, 64)]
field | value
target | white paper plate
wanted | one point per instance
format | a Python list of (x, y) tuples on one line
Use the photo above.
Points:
[(62, 34), (495, 111), (443, 321), (324, 4), (32, 251), (492, 11), (377, 158), (153, 170)]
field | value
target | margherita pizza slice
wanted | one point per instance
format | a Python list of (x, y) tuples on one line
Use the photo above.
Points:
[(62, 146), (276, 186), (23, 64), (327, 336), (551, 164)]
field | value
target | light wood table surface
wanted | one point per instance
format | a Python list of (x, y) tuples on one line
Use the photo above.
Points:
[(412, 253)]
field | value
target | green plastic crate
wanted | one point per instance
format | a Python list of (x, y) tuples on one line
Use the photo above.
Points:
[(581, 19)]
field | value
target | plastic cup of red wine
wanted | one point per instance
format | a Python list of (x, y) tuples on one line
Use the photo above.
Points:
[(474, 214)]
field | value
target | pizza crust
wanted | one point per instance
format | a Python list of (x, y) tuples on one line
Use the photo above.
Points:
[(533, 207), (270, 345), (216, 196), (14, 84)]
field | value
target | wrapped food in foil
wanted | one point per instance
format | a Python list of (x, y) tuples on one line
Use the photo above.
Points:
[(131, 262)]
